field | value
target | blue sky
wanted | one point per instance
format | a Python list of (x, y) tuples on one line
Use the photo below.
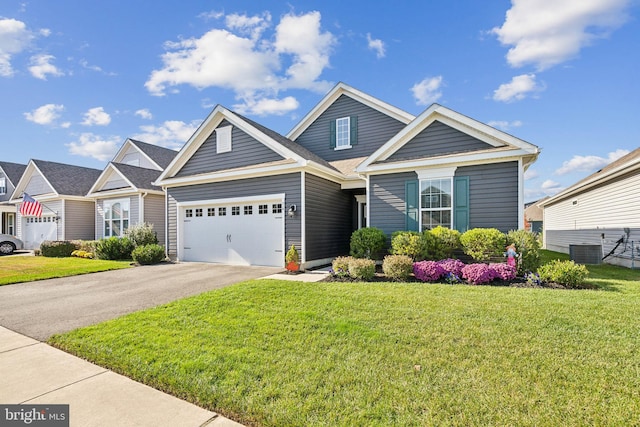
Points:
[(79, 77)]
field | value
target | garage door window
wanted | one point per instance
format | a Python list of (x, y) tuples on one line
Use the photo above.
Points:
[(211, 211), (263, 209), (276, 208), (248, 210), (235, 210), (116, 217), (222, 211)]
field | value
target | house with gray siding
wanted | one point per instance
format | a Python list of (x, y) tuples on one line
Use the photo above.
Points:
[(124, 193), (601, 210), (238, 192), (60, 188), (10, 174)]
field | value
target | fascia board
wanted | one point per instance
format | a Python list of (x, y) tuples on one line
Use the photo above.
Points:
[(139, 150), (122, 192), (24, 179), (228, 176), (102, 179)]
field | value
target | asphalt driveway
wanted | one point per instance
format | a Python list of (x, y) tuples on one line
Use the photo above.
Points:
[(43, 308)]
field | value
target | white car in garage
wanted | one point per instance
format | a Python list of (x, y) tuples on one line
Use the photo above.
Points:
[(9, 243)]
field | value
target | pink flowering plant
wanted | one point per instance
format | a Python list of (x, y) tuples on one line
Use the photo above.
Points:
[(478, 274), (452, 266), (428, 271), (504, 271)]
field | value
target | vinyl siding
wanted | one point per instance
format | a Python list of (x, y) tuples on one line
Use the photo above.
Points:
[(115, 181), (134, 213), (135, 158), (7, 195), (374, 129), (154, 214), (289, 184), (328, 218), (438, 139), (245, 151), (37, 185), (387, 201), (79, 220)]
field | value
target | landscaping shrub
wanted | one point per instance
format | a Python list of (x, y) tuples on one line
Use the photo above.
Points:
[(483, 244), (428, 271), (452, 266), (397, 267), (528, 249), (114, 248), (477, 274), (504, 271), (148, 254), (340, 266), (85, 245), (142, 234), (447, 241), (79, 253), (567, 273), (367, 242), (362, 268), (409, 243), (57, 248)]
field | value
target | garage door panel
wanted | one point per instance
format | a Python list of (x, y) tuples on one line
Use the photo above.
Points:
[(37, 230)]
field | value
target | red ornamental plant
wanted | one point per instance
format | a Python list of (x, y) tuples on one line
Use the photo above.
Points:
[(477, 274)]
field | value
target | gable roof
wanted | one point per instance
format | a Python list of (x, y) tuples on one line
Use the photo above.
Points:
[(138, 179), (623, 165), (344, 89), (13, 171), (500, 144), (160, 155)]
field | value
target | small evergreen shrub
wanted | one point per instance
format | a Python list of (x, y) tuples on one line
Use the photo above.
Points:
[(528, 248), (367, 243), (409, 243), (340, 266), (447, 241), (362, 268), (428, 271), (148, 254), (114, 248), (57, 248), (567, 273), (504, 271), (142, 234), (478, 274), (483, 244), (397, 267), (453, 266), (292, 255)]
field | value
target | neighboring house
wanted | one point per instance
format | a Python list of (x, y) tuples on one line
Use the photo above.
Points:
[(60, 188), (599, 210), (124, 193), (240, 193), (10, 174), (533, 216)]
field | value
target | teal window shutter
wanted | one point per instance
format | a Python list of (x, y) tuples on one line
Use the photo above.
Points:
[(412, 207), (353, 127), (332, 134), (461, 203)]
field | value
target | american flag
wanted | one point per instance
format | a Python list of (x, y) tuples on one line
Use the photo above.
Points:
[(30, 206)]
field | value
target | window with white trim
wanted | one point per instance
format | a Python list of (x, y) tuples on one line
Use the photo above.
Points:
[(116, 217), (3, 186), (343, 133), (436, 203)]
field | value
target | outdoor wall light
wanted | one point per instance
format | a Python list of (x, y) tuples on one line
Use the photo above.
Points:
[(292, 210)]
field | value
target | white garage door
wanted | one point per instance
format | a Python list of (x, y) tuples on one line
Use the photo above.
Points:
[(242, 233), (37, 230)]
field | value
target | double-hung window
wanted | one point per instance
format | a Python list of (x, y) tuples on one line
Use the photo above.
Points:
[(116, 217), (3, 186), (343, 132), (436, 202)]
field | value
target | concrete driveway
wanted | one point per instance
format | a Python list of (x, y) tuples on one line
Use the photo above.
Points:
[(43, 308)]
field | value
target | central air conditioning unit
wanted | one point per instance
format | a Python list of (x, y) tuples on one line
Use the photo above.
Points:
[(586, 253)]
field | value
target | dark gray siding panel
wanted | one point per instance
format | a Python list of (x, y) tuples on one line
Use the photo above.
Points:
[(245, 151), (493, 195), (374, 129), (438, 139), (328, 217), (387, 201), (289, 184)]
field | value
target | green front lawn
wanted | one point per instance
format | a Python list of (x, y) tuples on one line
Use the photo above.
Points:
[(286, 353), (17, 269)]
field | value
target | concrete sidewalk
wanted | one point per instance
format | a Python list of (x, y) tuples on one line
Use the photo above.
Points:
[(36, 373)]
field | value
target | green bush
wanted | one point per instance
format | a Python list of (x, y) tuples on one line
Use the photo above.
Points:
[(114, 248), (340, 266), (292, 255), (57, 248), (367, 242), (142, 234), (447, 241), (85, 245), (483, 244), (409, 243), (528, 249), (362, 268), (397, 267), (148, 254), (566, 273)]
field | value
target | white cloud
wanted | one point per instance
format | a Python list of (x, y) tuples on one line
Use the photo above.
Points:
[(376, 45), (171, 134), (96, 117), (46, 114), (589, 163), (428, 90), (211, 15), (96, 146), (144, 113), (247, 60), (14, 38), (550, 187), (545, 33), (41, 66), (264, 106), (531, 174), (518, 88), (505, 125)]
